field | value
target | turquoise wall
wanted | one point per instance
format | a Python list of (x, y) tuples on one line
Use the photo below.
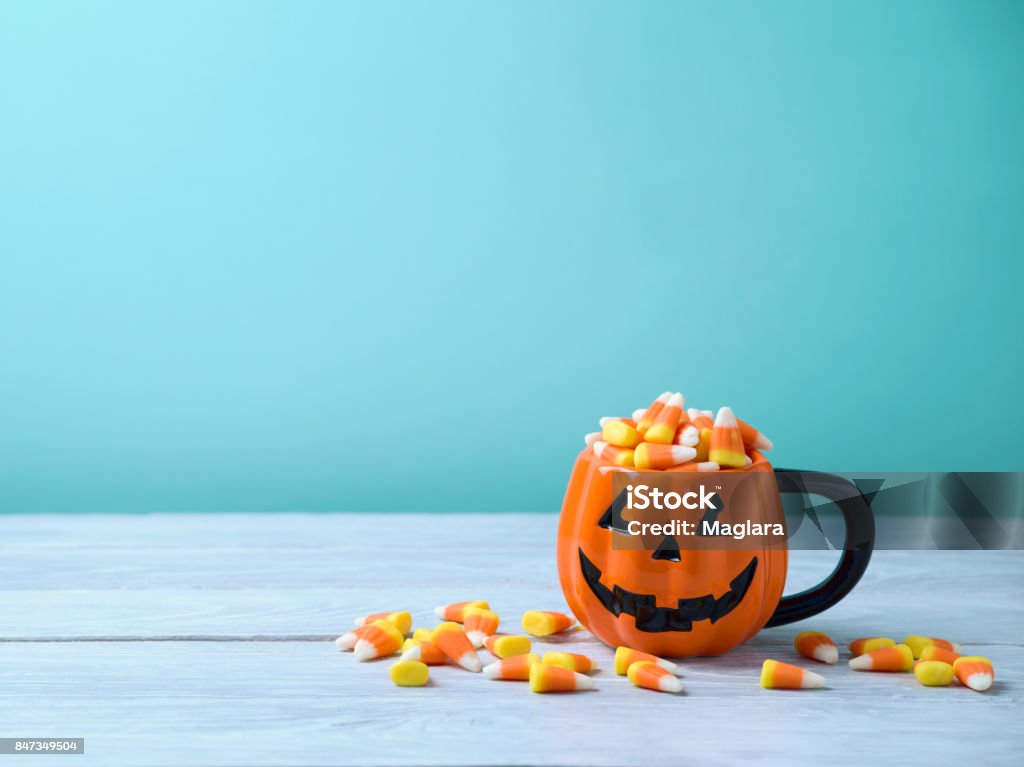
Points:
[(318, 255)]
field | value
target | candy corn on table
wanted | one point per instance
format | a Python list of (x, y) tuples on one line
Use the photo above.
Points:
[(207, 640)]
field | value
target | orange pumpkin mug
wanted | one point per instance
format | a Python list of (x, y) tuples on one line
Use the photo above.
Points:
[(697, 602)]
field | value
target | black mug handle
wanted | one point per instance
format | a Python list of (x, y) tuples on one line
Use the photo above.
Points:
[(860, 541)]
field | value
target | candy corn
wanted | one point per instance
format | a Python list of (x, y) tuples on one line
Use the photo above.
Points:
[(422, 634), (726, 441), (663, 428), (700, 418), (626, 656), (402, 620), (409, 673), (514, 669), (897, 658), (918, 643), (975, 672), (867, 644), (653, 456), (479, 624), (638, 414), (542, 623), (782, 676), (752, 437), (424, 652), (556, 679), (931, 652), (591, 438), (620, 434), (507, 645), (620, 456), (456, 645), (380, 638), (704, 445), (348, 640), (651, 676), (687, 434), (605, 420), (816, 646), (933, 673), (455, 610), (643, 423), (705, 466), (570, 660)]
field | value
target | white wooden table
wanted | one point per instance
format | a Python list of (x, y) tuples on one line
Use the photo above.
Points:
[(206, 640)]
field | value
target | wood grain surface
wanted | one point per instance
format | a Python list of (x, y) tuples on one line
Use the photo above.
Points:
[(206, 640)]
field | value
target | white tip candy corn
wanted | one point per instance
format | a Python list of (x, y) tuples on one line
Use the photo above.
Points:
[(557, 679), (456, 645), (651, 676), (784, 676), (816, 646)]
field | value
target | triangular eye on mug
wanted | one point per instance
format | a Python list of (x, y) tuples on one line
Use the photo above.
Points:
[(612, 517), (667, 549)]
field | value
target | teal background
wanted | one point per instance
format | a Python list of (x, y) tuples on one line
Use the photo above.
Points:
[(321, 255)]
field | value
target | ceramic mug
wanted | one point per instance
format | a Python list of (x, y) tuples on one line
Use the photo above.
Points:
[(695, 601)]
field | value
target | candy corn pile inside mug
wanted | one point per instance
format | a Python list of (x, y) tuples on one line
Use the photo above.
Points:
[(666, 435), (467, 627)]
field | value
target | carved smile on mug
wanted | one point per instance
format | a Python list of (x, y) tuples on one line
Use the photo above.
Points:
[(652, 618)]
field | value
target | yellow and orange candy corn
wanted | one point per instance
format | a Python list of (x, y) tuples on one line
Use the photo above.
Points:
[(726, 441), (514, 669), (643, 423), (620, 456), (424, 652), (456, 645), (479, 624), (507, 645), (776, 675), (918, 643), (401, 618), (556, 679), (867, 644), (663, 428), (816, 646), (570, 660), (347, 641), (620, 433), (380, 638), (627, 656), (606, 419), (701, 418), (931, 652), (752, 437), (651, 676), (974, 672), (933, 673), (409, 673), (704, 446), (896, 658), (456, 610), (542, 623), (654, 456), (688, 435)]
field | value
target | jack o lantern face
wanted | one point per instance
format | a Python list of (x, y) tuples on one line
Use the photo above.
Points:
[(650, 617), (701, 601), (644, 608)]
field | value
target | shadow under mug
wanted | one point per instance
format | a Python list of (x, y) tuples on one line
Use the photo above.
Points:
[(702, 602)]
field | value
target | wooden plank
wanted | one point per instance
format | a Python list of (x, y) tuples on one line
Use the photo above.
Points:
[(305, 704), (232, 662)]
